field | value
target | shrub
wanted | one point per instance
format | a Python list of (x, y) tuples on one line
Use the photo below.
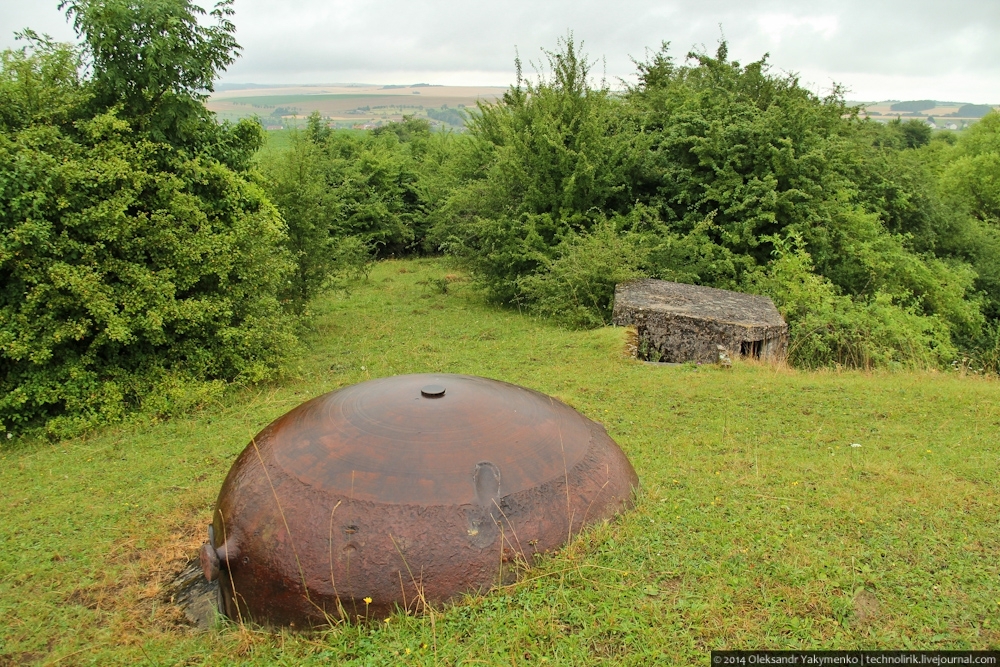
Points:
[(134, 251), (116, 270), (577, 288), (827, 328), (547, 162), (708, 168)]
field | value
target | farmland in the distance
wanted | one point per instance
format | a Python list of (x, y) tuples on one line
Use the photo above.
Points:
[(364, 106), (351, 105), (942, 114)]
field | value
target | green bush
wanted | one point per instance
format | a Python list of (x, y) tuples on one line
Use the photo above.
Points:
[(547, 162), (128, 263), (577, 288), (827, 328), (116, 270), (295, 182), (379, 188), (973, 176), (707, 169)]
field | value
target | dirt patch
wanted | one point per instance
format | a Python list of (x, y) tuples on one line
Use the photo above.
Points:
[(138, 587), (12, 659), (865, 606)]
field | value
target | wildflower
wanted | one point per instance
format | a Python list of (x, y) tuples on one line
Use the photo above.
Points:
[(368, 600)]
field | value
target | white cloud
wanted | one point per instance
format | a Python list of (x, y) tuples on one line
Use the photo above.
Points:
[(915, 48), (778, 26)]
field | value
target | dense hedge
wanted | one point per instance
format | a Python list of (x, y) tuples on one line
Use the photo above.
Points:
[(879, 242)]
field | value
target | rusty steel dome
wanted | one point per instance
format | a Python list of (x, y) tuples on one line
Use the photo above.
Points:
[(403, 491)]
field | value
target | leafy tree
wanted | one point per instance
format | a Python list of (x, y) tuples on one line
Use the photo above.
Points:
[(975, 173), (969, 184), (155, 61), (455, 117), (916, 133), (348, 198), (136, 254), (410, 129), (743, 160), (973, 110), (548, 161)]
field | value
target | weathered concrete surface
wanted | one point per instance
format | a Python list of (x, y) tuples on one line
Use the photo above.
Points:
[(677, 323), (197, 598)]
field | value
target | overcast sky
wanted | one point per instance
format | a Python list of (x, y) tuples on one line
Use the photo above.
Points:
[(878, 49)]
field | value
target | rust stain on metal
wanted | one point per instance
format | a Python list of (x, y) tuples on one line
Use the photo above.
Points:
[(402, 490)]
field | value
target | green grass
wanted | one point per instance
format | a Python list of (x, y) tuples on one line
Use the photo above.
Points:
[(279, 100), (278, 140), (281, 140), (757, 525)]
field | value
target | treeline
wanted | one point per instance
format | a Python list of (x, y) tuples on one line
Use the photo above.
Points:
[(880, 243), (149, 254)]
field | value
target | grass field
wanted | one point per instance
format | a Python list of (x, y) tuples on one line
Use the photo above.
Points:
[(757, 525), (943, 114), (277, 141), (346, 105)]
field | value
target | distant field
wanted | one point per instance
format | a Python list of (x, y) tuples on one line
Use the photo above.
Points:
[(275, 100), (349, 106), (943, 113), (365, 106)]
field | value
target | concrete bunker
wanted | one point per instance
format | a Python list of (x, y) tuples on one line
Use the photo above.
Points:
[(677, 323)]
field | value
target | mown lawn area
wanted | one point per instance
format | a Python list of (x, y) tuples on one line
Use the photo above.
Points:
[(758, 523)]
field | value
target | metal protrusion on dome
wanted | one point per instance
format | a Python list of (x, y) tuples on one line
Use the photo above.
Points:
[(432, 391), (209, 562)]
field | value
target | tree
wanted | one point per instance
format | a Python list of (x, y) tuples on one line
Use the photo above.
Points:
[(916, 133), (136, 252), (154, 60), (913, 106), (550, 160)]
